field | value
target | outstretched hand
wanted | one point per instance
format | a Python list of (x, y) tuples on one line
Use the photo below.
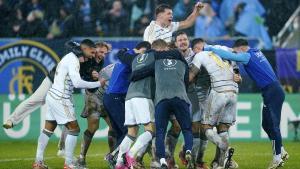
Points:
[(198, 7)]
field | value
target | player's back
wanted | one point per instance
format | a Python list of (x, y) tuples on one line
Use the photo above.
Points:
[(170, 79), (259, 68), (221, 73), (143, 88), (62, 85)]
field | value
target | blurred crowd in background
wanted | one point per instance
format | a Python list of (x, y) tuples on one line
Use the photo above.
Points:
[(118, 18)]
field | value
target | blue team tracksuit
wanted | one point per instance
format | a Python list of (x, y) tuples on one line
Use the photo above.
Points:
[(114, 99), (260, 70)]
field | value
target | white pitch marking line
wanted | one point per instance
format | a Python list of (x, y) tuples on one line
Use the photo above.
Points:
[(46, 158)]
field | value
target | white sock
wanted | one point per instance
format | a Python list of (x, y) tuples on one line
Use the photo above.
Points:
[(142, 141), (225, 139), (282, 149), (142, 150), (124, 147), (42, 144), (71, 141), (214, 137), (277, 157), (163, 161)]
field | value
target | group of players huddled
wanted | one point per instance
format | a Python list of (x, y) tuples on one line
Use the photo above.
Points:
[(165, 78)]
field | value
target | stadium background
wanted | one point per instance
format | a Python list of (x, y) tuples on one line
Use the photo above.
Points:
[(276, 32)]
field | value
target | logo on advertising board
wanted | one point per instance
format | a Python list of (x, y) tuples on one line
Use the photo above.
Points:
[(23, 65)]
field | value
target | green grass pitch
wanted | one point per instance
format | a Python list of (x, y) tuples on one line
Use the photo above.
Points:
[(249, 155)]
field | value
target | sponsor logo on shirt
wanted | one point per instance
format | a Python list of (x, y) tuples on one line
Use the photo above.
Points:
[(142, 58), (169, 64)]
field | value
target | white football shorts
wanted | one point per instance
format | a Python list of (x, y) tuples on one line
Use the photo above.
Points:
[(221, 108), (60, 110), (139, 111)]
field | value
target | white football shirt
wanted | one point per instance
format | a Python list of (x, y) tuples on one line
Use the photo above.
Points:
[(67, 77), (154, 32), (221, 72)]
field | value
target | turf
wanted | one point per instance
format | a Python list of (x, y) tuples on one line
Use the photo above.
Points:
[(249, 155)]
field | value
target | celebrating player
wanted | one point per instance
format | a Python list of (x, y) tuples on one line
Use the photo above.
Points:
[(94, 108), (170, 99), (37, 99), (163, 27), (60, 108), (220, 108), (260, 70), (114, 99), (139, 109)]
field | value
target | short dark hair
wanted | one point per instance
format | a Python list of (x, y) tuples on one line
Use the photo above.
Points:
[(88, 43), (178, 34), (196, 41), (73, 46), (143, 44), (161, 8), (240, 42)]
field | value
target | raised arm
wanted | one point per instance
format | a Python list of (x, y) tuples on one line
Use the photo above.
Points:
[(190, 20), (238, 57)]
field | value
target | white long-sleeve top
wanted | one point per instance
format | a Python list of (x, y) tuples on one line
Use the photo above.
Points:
[(154, 32), (67, 77)]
